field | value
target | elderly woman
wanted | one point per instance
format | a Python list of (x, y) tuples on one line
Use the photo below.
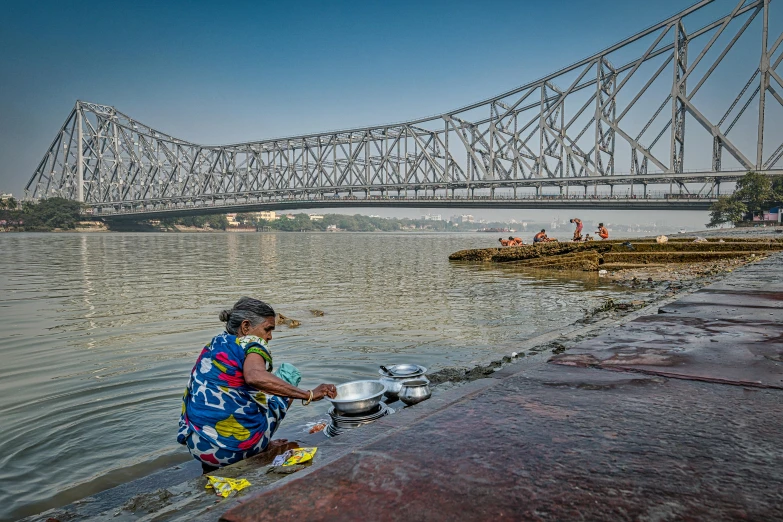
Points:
[(234, 403)]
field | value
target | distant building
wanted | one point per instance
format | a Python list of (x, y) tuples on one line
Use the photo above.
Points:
[(315, 217), (6, 195), (464, 218), (290, 216), (432, 217), (232, 220), (266, 215)]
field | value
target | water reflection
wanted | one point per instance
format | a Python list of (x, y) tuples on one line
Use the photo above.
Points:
[(100, 331)]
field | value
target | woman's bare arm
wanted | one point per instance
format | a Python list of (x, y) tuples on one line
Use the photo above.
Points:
[(259, 378)]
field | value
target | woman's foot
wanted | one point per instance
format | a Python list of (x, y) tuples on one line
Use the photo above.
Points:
[(276, 444)]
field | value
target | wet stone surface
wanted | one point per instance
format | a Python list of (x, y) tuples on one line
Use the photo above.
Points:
[(559, 444)]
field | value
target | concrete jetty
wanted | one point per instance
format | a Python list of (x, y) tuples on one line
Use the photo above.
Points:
[(675, 415)]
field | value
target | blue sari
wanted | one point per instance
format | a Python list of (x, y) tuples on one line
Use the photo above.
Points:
[(224, 420)]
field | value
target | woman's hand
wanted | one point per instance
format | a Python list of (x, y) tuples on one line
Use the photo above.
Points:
[(324, 390)]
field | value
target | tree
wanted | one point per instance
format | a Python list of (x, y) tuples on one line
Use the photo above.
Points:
[(725, 210), (755, 191), (51, 213), (777, 189)]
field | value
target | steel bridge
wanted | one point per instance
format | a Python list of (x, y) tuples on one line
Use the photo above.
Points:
[(601, 133)]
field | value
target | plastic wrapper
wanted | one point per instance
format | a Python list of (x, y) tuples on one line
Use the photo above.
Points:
[(224, 486), (294, 457)]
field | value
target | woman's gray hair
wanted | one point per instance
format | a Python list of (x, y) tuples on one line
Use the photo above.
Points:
[(246, 309)]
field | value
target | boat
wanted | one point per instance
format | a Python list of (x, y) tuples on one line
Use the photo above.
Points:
[(496, 230)]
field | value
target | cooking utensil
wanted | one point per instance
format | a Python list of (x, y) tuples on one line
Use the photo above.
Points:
[(408, 371), (394, 382), (394, 385), (405, 369), (358, 396), (386, 370), (415, 391)]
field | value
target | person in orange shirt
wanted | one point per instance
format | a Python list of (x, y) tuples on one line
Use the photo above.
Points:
[(602, 232), (578, 231)]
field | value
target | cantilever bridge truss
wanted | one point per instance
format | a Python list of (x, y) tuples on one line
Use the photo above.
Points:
[(700, 88)]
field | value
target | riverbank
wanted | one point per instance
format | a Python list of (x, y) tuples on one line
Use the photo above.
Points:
[(178, 492), (623, 254), (673, 415)]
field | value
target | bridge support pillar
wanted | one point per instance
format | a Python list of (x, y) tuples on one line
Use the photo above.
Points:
[(492, 193), (717, 188), (79, 155), (645, 191), (515, 192), (611, 190)]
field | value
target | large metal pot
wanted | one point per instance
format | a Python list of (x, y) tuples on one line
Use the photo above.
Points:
[(415, 391), (358, 396)]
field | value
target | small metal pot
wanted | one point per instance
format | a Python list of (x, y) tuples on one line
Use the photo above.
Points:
[(394, 385), (415, 391)]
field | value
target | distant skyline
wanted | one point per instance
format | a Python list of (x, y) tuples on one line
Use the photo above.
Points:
[(221, 73)]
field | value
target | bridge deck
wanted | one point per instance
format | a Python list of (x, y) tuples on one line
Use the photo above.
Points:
[(527, 204)]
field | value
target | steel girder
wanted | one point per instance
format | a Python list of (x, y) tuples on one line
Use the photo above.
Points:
[(565, 128)]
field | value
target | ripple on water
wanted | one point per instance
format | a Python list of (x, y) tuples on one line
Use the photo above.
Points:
[(100, 331)]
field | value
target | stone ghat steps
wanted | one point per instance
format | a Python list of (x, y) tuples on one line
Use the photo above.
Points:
[(583, 261), (555, 249), (673, 257), (690, 239), (698, 247), (630, 266)]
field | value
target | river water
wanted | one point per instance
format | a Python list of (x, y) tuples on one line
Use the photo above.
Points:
[(98, 333)]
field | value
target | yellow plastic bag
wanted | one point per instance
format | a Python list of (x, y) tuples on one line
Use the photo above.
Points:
[(293, 457), (224, 486), (300, 455)]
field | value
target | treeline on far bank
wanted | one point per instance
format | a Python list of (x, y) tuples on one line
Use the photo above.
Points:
[(42, 216), (302, 222)]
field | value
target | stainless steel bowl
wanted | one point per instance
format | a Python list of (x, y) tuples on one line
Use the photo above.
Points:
[(413, 392), (358, 396)]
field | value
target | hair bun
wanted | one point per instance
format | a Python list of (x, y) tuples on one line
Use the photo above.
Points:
[(224, 316)]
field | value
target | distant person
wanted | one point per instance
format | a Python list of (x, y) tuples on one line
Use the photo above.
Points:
[(602, 232), (578, 231), (541, 237), (503, 242), (588, 237), (517, 240)]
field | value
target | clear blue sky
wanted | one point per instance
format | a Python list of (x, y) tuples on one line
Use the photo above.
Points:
[(225, 72)]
